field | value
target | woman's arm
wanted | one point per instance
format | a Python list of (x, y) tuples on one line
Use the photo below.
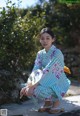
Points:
[(38, 61)]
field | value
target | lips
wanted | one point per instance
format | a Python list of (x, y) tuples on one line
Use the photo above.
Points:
[(44, 44)]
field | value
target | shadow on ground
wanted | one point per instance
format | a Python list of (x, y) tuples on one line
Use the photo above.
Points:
[(72, 113)]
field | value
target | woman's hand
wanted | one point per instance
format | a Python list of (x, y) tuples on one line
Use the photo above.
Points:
[(23, 92), (28, 91), (31, 90)]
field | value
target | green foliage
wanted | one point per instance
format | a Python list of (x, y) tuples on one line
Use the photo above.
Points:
[(69, 20), (64, 19), (19, 29), (18, 36)]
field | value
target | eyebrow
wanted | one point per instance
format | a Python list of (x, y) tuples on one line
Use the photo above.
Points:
[(47, 36)]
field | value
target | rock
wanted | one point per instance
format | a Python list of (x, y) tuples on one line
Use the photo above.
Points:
[(10, 86)]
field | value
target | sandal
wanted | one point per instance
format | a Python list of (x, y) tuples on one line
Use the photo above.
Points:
[(56, 110), (43, 109), (46, 107)]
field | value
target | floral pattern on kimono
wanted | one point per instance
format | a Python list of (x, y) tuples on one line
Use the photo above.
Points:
[(52, 73)]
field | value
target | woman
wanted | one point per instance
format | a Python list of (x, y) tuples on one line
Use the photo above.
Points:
[(48, 80)]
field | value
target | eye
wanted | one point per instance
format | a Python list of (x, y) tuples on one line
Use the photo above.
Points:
[(47, 38)]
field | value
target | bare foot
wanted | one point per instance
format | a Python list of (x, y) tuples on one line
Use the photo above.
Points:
[(56, 104), (55, 108), (46, 107)]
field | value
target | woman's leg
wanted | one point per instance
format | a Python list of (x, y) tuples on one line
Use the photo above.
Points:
[(48, 96), (56, 104), (55, 108), (46, 107)]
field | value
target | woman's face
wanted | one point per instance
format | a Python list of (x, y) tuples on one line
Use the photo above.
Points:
[(46, 40)]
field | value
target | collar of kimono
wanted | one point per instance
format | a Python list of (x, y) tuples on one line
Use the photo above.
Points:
[(52, 48)]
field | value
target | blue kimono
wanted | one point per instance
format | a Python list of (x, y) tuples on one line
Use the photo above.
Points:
[(48, 70)]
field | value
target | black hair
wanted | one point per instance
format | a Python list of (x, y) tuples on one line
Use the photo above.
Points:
[(47, 30)]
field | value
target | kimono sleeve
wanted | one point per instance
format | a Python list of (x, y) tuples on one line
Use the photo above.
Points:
[(38, 62)]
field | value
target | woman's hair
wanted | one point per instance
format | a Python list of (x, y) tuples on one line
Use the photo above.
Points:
[(47, 30)]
